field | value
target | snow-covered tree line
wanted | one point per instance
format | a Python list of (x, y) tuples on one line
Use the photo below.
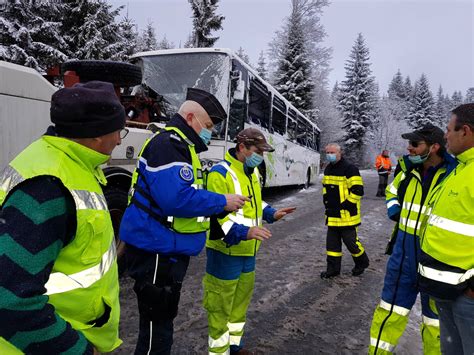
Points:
[(370, 122), (41, 34)]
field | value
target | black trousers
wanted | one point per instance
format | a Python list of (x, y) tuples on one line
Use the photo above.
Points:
[(383, 181), (334, 239), (158, 281)]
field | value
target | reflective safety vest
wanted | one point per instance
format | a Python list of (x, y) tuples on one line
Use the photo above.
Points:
[(236, 181), (383, 163), (83, 284), (178, 224), (410, 200), (447, 238)]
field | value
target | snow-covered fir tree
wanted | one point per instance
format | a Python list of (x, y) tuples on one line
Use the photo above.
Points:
[(408, 88), (456, 99), (165, 44), (205, 21), (91, 31), (293, 77), (241, 53), (31, 34), (421, 110), (469, 96), (129, 39), (147, 40), (396, 88), (355, 99), (441, 110), (262, 66), (312, 34), (189, 42)]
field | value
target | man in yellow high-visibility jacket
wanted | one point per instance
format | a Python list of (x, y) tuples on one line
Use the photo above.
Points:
[(446, 266), (59, 290), (233, 242)]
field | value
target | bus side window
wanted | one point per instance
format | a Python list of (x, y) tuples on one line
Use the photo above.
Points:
[(301, 132), (259, 103), (291, 125), (238, 106), (317, 140), (279, 116)]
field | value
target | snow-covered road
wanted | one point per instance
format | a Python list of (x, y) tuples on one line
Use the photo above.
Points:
[(293, 311)]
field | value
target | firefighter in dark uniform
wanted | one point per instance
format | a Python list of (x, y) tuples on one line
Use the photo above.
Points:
[(342, 191), (167, 218)]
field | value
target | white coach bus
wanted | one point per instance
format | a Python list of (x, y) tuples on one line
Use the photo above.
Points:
[(250, 102)]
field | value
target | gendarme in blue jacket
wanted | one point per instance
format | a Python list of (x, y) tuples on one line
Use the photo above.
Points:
[(160, 178)]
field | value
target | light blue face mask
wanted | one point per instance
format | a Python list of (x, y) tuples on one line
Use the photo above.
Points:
[(419, 159), (254, 160), (205, 134), (331, 158)]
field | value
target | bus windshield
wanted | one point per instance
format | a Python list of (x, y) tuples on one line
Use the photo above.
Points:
[(171, 74)]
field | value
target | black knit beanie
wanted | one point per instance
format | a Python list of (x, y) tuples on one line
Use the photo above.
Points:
[(87, 110)]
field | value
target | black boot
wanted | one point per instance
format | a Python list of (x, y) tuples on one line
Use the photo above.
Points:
[(361, 263), (333, 268)]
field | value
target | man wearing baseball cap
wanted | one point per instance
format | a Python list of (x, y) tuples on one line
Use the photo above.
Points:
[(167, 219), (59, 271), (234, 240), (420, 171)]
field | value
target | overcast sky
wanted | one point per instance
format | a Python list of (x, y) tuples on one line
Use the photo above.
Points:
[(430, 36)]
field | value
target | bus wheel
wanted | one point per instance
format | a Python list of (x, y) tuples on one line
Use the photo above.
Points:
[(307, 184), (117, 73), (117, 200)]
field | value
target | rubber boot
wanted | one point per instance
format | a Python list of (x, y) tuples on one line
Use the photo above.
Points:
[(361, 263)]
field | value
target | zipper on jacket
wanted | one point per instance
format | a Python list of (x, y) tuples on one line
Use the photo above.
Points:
[(256, 210)]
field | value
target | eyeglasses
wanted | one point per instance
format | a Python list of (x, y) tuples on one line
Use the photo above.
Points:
[(123, 133), (415, 144)]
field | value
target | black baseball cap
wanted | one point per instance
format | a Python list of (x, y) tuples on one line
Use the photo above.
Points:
[(208, 102), (428, 133)]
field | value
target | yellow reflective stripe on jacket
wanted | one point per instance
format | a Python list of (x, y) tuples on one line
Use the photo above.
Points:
[(354, 180), (86, 200), (449, 277), (59, 282), (451, 225), (10, 178)]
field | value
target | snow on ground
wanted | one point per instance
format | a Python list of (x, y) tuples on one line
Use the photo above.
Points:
[(293, 311)]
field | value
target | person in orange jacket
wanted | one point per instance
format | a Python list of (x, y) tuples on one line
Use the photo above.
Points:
[(384, 167)]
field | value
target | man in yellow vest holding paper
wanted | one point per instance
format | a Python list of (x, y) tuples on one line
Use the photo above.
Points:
[(58, 285)]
